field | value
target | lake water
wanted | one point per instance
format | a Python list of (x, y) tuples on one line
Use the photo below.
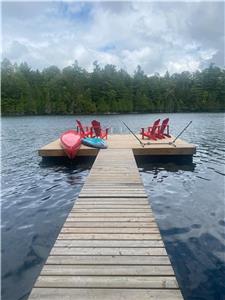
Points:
[(188, 200)]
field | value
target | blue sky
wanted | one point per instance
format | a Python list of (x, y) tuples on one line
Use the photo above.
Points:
[(159, 36), (81, 12)]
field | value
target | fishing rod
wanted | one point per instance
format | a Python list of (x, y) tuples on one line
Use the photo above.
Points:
[(172, 143)]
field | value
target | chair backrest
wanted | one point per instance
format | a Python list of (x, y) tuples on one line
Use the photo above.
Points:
[(97, 127), (164, 125), (154, 126), (80, 127)]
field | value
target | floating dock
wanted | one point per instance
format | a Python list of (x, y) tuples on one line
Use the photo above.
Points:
[(127, 141), (110, 247)]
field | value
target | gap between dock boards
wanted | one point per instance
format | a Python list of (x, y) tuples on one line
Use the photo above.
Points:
[(110, 246)]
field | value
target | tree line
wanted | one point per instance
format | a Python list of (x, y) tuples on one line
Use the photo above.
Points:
[(73, 90)]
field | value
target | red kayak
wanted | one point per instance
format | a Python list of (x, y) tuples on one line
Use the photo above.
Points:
[(71, 142)]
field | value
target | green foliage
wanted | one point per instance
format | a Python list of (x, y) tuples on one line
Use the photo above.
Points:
[(75, 91)]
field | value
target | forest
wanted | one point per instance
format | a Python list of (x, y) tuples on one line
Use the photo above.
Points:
[(73, 90)]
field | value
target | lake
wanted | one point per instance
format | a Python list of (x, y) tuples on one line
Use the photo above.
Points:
[(188, 200)]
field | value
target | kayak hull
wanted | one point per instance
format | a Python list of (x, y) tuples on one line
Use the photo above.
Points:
[(71, 142), (94, 143)]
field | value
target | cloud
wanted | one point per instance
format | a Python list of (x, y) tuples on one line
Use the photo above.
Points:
[(17, 50), (158, 36)]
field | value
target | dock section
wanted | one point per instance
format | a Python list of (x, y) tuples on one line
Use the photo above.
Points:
[(110, 247), (126, 141)]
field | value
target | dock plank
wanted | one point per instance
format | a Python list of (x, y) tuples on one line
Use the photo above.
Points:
[(109, 230), (110, 210), (110, 219), (107, 251), (109, 243), (94, 214), (104, 294), (100, 270), (114, 225), (133, 281), (107, 260), (111, 236)]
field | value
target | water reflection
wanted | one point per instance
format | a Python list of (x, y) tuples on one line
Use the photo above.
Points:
[(156, 168), (188, 218), (33, 212)]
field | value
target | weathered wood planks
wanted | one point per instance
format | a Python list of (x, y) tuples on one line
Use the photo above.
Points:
[(102, 270), (107, 281), (107, 260), (104, 294), (110, 246)]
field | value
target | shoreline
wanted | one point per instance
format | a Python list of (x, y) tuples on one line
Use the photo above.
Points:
[(114, 114)]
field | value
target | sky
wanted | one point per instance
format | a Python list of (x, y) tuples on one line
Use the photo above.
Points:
[(158, 36)]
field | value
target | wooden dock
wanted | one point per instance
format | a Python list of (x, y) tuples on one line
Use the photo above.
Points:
[(126, 141), (110, 247)]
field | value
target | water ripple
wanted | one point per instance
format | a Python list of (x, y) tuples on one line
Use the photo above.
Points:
[(188, 200)]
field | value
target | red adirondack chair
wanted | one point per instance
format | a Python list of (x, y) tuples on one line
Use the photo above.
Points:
[(151, 133), (99, 131), (161, 132), (84, 131)]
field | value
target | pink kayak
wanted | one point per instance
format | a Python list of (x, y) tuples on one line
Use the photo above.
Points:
[(71, 142)]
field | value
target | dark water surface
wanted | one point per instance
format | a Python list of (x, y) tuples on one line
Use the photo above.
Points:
[(188, 200)]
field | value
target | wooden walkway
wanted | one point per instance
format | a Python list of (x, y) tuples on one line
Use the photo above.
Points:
[(110, 247)]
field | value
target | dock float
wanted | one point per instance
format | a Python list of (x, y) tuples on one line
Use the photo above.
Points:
[(127, 141), (109, 247)]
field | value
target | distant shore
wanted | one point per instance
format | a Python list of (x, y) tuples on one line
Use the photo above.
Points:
[(108, 91), (110, 114)]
